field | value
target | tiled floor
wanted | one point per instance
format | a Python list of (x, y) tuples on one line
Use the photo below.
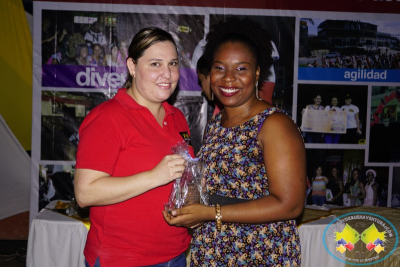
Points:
[(13, 253), (12, 261)]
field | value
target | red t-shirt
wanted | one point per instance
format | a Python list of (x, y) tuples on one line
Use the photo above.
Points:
[(122, 138)]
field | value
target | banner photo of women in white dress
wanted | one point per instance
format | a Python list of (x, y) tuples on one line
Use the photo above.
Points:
[(376, 184), (353, 50)]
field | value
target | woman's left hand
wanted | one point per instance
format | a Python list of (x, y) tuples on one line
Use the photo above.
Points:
[(190, 216)]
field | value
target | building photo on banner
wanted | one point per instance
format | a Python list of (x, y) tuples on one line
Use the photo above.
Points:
[(349, 50), (336, 74)]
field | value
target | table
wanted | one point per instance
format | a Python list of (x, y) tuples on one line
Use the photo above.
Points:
[(56, 240), (317, 219), (313, 253)]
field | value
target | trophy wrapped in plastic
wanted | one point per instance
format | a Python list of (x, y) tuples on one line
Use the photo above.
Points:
[(190, 188)]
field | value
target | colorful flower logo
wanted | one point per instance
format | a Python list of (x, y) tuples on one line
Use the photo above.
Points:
[(377, 241)]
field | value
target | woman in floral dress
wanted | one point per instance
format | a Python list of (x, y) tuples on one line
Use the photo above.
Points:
[(254, 158)]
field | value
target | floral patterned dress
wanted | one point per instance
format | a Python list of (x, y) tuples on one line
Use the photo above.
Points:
[(235, 168)]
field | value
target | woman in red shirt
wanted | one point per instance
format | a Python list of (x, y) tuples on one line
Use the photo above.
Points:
[(124, 166)]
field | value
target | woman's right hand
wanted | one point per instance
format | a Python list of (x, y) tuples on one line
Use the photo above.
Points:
[(100, 188), (171, 167), (190, 216)]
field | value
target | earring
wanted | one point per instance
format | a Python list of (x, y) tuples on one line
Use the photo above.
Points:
[(257, 91), (133, 73), (212, 96)]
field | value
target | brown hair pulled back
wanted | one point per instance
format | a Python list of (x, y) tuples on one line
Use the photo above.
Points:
[(142, 41)]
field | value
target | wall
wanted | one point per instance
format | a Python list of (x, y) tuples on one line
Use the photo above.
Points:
[(16, 71)]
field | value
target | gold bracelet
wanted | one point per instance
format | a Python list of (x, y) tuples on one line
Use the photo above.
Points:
[(218, 217)]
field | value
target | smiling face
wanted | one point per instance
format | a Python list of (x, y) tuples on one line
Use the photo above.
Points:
[(317, 100), (96, 27), (84, 52), (318, 172), (234, 74), (370, 176), (114, 50), (96, 50), (156, 73), (355, 174), (123, 47), (334, 102), (334, 172)]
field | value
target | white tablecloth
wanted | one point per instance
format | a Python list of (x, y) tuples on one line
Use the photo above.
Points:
[(313, 252), (56, 240)]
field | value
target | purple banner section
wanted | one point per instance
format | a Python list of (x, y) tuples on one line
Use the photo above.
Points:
[(188, 80), (71, 76)]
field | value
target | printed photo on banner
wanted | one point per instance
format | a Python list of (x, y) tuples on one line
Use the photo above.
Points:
[(276, 83), (83, 50), (62, 114), (56, 182), (324, 121), (334, 171), (339, 177), (384, 145), (332, 114), (376, 184), (354, 50), (89, 49), (395, 200)]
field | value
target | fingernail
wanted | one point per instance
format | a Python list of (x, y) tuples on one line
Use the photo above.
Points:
[(174, 212)]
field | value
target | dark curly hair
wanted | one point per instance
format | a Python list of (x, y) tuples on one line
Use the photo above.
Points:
[(246, 31), (203, 66)]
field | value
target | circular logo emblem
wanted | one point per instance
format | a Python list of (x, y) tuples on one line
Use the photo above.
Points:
[(360, 238)]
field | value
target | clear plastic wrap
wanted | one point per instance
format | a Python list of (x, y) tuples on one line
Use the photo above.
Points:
[(190, 188)]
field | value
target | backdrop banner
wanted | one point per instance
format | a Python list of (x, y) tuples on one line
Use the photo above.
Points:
[(80, 52)]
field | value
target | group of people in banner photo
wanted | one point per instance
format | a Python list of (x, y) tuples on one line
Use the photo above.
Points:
[(88, 46), (373, 59), (338, 121), (361, 188)]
